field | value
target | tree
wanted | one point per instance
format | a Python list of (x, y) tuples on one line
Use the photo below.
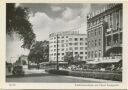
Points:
[(17, 21), (69, 57), (39, 52)]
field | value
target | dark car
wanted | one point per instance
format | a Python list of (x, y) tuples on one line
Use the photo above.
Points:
[(18, 70)]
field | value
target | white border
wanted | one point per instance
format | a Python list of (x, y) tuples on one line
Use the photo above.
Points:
[(4, 85)]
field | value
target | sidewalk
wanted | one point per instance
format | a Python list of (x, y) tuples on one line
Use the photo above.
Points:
[(93, 79), (34, 71), (29, 72)]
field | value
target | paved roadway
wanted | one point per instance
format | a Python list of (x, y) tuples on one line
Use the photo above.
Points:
[(51, 78)]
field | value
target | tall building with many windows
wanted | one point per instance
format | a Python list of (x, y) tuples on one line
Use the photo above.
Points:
[(68, 41), (104, 32)]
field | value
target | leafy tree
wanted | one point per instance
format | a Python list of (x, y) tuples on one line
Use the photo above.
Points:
[(69, 57), (39, 52), (17, 21)]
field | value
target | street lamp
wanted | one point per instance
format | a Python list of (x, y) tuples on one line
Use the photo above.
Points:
[(57, 52)]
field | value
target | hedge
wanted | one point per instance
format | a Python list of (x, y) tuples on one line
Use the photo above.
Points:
[(59, 72), (97, 75)]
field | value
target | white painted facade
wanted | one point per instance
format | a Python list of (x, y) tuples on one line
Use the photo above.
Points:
[(68, 41)]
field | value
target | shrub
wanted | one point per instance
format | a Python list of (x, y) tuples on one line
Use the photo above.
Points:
[(59, 72), (91, 74), (97, 75)]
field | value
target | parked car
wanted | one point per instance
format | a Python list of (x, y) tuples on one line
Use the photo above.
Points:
[(18, 70)]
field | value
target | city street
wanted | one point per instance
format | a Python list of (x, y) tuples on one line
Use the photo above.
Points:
[(51, 78)]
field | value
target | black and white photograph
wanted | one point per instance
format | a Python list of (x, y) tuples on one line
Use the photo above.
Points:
[(64, 43)]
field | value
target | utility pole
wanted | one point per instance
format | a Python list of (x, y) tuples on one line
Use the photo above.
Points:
[(57, 51)]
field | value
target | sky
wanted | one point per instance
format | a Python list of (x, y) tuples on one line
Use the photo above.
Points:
[(47, 18)]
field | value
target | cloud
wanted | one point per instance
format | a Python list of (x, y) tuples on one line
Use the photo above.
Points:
[(70, 18), (56, 8), (85, 10), (67, 14)]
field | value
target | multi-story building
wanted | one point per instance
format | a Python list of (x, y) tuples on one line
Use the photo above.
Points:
[(68, 41), (104, 32)]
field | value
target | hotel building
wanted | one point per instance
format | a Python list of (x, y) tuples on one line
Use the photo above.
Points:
[(104, 32), (68, 41)]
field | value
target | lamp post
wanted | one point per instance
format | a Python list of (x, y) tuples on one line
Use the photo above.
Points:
[(57, 52)]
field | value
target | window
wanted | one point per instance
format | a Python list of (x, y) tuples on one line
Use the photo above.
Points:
[(92, 43), (99, 42), (66, 36), (81, 39), (88, 43), (85, 48), (76, 48), (62, 45), (95, 32), (62, 49), (54, 54), (70, 48), (108, 41), (85, 43), (62, 37), (92, 54), (76, 52), (54, 45), (88, 34), (76, 39), (81, 52), (54, 49), (81, 57), (88, 54), (85, 52), (81, 48), (95, 53), (81, 43), (62, 41), (62, 53), (99, 31), (75, 43), (70, 43), (99, 53), (121, 38), (66, 45), (70, 39), (62, 58), (95, 42)]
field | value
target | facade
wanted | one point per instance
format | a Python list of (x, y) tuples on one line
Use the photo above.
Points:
[(68, 41), (104, 32)]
